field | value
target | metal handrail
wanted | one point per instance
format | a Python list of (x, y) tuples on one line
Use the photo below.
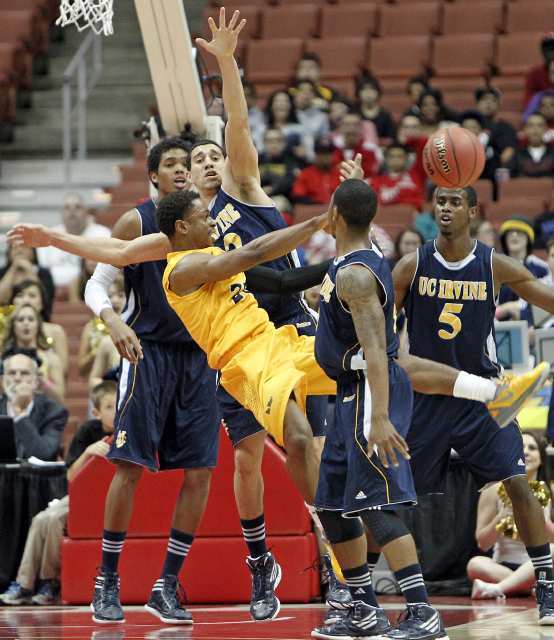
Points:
[(85, 80)]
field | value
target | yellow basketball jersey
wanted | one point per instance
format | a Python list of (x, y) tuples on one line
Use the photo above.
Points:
[(222, 317)]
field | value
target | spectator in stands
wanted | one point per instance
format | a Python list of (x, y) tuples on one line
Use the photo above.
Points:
[(544, 103), (541, 77), (351, 142), (407, 241), (368, 95), (536, 160), (502, 135), (75, 219), (31, 292), (39, 420), (543, 225), (309, 68), (516, 239), (473, 121), (278, 165), (22, 264), (76, 288), (433, 112), (95, 331), (409, 128), (509, 571), (38, 575), (316, 183), (338, 108), (256, 117), (281, 114), (26, 333), (483, 230), (398, 183), (415, 86), (310, 116)]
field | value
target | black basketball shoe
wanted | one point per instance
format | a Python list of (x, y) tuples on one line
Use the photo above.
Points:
[(164, 602), (266, 576), (105, 605)]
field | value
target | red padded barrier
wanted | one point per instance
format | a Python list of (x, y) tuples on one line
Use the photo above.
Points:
[(156, 494), (209, 560)]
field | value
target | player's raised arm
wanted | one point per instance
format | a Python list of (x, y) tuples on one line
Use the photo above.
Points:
[(241, 168), (513, 274), (357, 287), (403, 275), (119, 253)]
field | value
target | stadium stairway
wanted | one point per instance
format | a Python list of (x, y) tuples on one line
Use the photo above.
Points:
[(215, 570)]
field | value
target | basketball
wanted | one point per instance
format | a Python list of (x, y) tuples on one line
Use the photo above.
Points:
[(453, 157)]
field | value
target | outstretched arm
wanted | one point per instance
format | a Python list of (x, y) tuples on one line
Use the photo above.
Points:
[(265, 280), (241, 169), (119, 253), (357, 287), (402, 275), (196, 269), (520, 280)]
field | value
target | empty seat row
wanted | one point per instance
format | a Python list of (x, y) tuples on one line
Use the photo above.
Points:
[(301, 20), (396, 57)]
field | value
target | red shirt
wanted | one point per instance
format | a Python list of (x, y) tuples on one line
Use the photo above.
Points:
[(371, 157), (315, 185), (537, 80)]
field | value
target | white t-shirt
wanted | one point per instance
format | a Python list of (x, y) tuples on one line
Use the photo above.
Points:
[(63, 266)]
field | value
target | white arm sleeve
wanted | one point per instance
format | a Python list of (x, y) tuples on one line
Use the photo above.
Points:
[(96, 291)]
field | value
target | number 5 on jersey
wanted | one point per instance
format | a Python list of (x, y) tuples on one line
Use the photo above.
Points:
[(449, 317)]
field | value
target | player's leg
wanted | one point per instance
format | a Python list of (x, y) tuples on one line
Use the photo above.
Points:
[(504, 398), (190, 442)]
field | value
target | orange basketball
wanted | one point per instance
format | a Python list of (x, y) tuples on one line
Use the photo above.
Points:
[(453, 157)]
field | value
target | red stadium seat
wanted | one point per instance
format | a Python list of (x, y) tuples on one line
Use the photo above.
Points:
[(296, 21), (527, 187), (531, 15), (500, 211), (238, 4), (349, 20), (413, 19), (26, 27), (517, 52), (463, 54), (484, 191), (272, 60), (304, 212), (340, 57), (251, 14), (399, 57), (402, 214), (488, 18)]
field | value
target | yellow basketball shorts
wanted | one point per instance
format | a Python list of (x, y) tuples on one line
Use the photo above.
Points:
[(268, 370)]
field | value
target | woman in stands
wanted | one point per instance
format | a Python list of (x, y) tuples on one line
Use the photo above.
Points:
[(31, 292), (97, 353), (509, 572), (26, 334), (433, 113), (280, 114), (407, 241), (21, 265)]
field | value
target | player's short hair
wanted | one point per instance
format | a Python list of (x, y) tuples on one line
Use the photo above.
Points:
[(156, 152), (471, 195), (356, 202), (201, 143), (101, 390), (175, 206)]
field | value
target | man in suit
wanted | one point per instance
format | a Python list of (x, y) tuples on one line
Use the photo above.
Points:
[(39, 420)]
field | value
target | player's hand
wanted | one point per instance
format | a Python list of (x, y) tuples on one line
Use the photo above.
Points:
[(125, 339), (99, 449), (29, 235), (350, 169), (224, 37), (388, 441)]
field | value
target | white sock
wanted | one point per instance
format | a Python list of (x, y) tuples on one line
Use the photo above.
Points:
[(473, 387)]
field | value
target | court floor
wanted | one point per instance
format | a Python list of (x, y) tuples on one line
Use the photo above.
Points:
[(512, 620)]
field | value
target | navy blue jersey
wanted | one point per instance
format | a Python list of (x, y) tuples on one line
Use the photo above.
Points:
[(147, 310), (336, 341), (450, 310), (239, 223), (539, 268)]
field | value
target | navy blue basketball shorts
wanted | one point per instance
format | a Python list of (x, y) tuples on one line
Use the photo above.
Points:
[(167, 415), (241, 423), (441, 423), (350, 480)]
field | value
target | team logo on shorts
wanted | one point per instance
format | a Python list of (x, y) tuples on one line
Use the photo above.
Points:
[(121, 439), (268, 407)]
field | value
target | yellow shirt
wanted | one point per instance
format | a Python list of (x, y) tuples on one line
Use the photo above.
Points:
[(222, 317)]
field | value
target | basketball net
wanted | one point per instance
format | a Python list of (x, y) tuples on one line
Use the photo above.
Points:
[(96, 14)]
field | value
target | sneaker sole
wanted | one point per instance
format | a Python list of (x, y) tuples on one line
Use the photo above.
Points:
[(277, 582), (505, 417), (102, 621), (547, 621), (326, 636), (159, 615)]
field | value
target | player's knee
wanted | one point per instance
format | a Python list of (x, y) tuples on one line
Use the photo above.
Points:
[(339, 529), (385, 526), (128, 474), (298, 442), (198, 479), (519, 491), (248, 464)]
